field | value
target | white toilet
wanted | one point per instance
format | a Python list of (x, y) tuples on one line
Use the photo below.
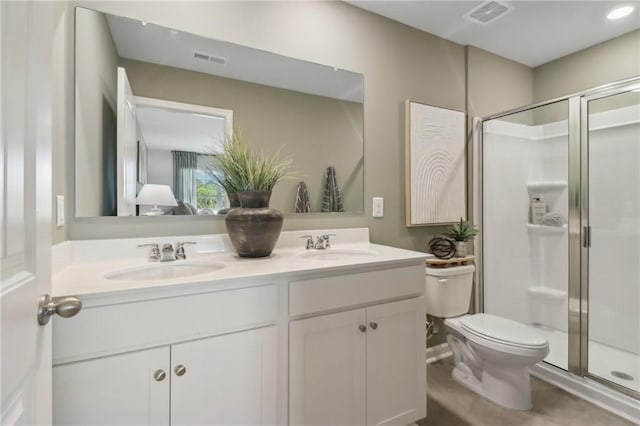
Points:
[(492, 355)]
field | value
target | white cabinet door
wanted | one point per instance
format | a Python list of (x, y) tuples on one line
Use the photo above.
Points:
[(396, 380), (327, 370), (116, 390), (227, 380)]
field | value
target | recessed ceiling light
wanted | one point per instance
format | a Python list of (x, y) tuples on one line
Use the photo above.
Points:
[(144, 23), (620, 12)]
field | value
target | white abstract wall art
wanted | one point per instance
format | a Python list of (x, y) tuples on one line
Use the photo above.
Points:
[(434, 165)]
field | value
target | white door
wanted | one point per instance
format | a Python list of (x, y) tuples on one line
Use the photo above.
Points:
[(327, 370), (25, 210), (127, 389), (127, 156), (225, 380), (396, 375)]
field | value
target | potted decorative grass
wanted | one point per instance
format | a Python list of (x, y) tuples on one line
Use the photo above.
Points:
[(461, 232), (253, 227)]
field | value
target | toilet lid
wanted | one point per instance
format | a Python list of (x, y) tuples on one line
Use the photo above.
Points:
[(503, 330)]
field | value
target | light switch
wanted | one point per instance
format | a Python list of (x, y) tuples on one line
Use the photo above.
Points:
[(378, 207), (59, 210)]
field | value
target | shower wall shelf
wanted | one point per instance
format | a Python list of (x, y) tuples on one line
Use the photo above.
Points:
[(547, 293), (552, 185), (545, 229)]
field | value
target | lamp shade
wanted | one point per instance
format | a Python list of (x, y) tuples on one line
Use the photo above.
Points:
[(156, 195)]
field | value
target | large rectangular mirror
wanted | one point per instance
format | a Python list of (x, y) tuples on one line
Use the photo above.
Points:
[(153, 104)]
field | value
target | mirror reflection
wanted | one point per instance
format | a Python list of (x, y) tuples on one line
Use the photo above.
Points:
[(153, 105)]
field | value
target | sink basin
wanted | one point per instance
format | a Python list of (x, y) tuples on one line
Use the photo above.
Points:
[(338, 254), (164, 271)]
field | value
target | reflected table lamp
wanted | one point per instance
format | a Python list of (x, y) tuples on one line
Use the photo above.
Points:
[(156, 195)]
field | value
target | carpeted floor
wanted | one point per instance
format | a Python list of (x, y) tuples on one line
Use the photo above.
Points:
[(451, 404)]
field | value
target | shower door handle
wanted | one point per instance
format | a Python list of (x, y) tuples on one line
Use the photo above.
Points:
[(586, 231)]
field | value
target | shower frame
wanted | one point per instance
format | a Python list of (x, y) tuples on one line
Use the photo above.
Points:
[(578, 221)]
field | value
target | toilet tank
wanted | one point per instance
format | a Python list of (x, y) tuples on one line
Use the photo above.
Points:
[(448, 290)]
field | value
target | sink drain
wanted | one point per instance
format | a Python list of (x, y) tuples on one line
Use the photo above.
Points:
[(621, 375)]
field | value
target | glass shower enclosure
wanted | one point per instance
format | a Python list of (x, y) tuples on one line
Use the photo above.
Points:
[(558, 203)]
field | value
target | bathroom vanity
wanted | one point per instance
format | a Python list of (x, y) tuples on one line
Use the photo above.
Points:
[(332, 336)]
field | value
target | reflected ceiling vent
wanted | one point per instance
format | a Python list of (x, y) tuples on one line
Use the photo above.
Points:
[(487, 12), (209, 57)]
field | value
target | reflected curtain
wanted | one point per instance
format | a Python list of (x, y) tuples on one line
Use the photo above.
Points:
[(185, 165)]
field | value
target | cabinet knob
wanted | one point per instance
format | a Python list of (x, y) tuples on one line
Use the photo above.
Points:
[(373, 325), (180, 370), (159, 375), (362, 327)]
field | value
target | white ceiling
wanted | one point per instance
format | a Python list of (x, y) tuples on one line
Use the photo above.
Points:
[(164, 46), (169, 130), (532, 33)]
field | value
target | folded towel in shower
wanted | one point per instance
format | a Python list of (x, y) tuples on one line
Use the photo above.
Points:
[(552, 219), (331, 200), (302, 199)]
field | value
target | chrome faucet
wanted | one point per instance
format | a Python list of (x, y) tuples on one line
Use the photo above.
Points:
[(323, 241), (154, 255), (309, 242), (168, 255), (180, 254)]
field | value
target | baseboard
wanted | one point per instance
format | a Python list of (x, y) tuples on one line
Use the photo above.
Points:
[(436, 353)]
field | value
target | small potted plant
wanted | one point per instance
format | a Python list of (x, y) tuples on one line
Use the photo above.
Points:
[(461, 232), (253, 228)]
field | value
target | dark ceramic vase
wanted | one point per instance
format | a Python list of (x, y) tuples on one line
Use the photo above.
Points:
[(233, 203), (254, 228)]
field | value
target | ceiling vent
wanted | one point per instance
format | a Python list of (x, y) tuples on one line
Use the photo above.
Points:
[(209, 57), (487, 12)]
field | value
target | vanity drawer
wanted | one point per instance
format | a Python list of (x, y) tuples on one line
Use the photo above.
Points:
[(104, 330), (327, 293)]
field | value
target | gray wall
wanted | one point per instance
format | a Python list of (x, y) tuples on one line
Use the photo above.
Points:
[(496, 84), (597, 65), (603, 63), (96, 82), (398, 63), (314, 131), (62, 110)]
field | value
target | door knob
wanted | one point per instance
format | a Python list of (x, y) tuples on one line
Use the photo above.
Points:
[(159, 375), (373, 325), (180, 370), (65, 306), (362, 328)]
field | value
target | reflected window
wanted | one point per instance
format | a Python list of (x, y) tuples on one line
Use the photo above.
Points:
[(210, 195)]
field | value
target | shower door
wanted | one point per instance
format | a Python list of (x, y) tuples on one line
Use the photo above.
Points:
[(611, 237), (576, 276)]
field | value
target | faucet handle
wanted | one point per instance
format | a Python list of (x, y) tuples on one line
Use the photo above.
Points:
[(309, 240), (155, 251), (323, 241), (180, 254)]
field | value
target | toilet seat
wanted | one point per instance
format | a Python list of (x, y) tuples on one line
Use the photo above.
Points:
[(503, 331)]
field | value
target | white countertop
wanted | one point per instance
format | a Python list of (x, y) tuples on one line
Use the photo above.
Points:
[(80, 266)]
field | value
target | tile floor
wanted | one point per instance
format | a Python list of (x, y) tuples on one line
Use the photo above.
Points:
[(450, 404)]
